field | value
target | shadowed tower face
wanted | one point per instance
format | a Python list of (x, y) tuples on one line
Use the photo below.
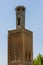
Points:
[(20, 43)]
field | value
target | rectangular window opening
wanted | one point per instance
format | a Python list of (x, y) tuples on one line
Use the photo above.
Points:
[(18, 21)]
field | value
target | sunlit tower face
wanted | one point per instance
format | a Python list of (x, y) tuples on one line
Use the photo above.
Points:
[(20, 17)]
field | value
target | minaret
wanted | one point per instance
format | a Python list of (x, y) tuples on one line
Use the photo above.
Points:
[(20, 41), (20, 17)]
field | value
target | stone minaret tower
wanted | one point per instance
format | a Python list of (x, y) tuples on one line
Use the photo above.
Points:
[(20, 41)]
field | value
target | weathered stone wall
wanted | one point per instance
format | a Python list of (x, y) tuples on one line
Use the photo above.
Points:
[(20, 47)]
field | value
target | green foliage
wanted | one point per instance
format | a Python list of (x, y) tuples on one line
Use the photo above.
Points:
[(38, 60)]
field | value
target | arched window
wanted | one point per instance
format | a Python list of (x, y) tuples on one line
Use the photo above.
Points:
[(27, 55)]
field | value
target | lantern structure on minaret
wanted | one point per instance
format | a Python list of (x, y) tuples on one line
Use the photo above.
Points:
[(20, 17)]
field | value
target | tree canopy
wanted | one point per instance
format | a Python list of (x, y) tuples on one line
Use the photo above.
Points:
[(38, 60)]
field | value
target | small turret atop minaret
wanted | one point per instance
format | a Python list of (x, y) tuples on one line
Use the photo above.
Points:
[(20, 17)]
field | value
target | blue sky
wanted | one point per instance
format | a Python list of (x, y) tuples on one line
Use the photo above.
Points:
[(33, 22)]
